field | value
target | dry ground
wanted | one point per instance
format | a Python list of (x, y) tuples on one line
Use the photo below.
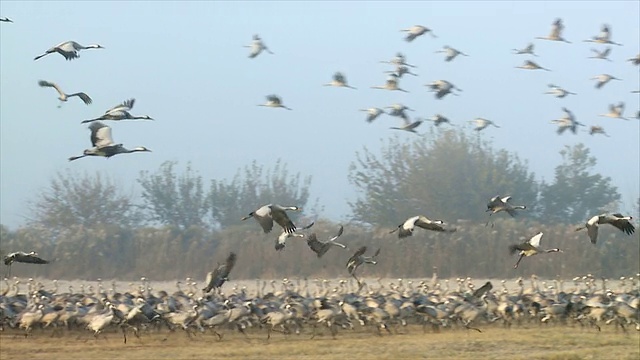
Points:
[(547, 342)]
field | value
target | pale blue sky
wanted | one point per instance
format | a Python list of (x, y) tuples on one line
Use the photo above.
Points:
[(184, 64)]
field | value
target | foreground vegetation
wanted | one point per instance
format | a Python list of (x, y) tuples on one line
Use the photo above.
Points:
[(534, 342)]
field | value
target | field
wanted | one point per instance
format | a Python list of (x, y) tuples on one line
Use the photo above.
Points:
[(525, 342)]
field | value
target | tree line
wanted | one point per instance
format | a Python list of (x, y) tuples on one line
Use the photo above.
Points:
[(179, 227)]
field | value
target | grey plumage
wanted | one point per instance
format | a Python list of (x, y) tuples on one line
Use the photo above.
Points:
[(274, 101), (415, 31), (281, 240), (267, 214), (617, 220), (529, 248), (409, 126), (499, 203), (64, 97), (103, 144), (68, 49), (406, 228), (120, 112), (23, 257), (321, 248), (220, 275), (358, 259)]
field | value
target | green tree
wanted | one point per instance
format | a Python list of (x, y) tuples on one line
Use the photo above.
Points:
[(174, 200), (85, 200), (577, 192), (451, 177), (254, 186)]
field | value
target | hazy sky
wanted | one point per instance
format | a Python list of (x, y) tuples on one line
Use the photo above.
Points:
[(184, 64)]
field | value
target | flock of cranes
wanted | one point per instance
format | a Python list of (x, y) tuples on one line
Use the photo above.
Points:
[(268, 214), (441, 87), (101, 140), (305, 306), (327, 311)]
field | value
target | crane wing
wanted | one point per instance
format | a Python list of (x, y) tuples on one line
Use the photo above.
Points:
[(100, 134), (209, 282), (84, 97), (124, 106), (535, 240), (359, 252), (231, 262), (283, 220), (316, 246), (592, 231), (483, 289), (266, 222), (623, 225), (340, 231), (30, 259)]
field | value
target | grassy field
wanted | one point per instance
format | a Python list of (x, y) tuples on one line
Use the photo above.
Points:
[(548, 342)]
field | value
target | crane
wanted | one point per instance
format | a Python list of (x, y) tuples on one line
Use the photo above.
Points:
[(274, 101), (23, 257), (482, 123), (373, 113), (400, 71), (64, 97), (442, 88), (450, 52), (602, 55), (391, 84), (604, 37), (320, 247), (103, 144), (501, 203), (556, 32), (267, 214), (617, 220), (398, 60), (257, 46), (216, 278), (439, 120), (415, 31), (406, 228), (120, 112), (529, 248), (281, 240), (558, 91), (603, 79), (69, 49), (595, 129), (530, 65), (358, 259), (567, 121), (615, 111), (399, 111), (527, 50), (339, 80), (409, 126)]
